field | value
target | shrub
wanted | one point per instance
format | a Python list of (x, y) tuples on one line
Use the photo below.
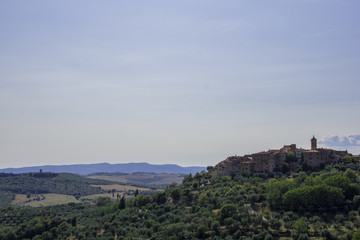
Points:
[(268, 236), (275, 223), (339, 218), (227, 211), (352, 215), (300, 226), (303, 236), (325, 233), (356, 236)]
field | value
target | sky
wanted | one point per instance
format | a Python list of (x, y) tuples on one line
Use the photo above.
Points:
[(179, 82)]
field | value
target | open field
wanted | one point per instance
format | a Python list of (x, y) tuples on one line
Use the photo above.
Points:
[(45, 200), (37, 200), (142, 178), (20, 198), (96, 196), (121, 188)]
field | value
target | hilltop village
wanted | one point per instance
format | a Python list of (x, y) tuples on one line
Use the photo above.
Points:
[(286, 159)]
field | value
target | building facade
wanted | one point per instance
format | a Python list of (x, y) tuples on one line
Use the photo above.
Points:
[(273, 160)]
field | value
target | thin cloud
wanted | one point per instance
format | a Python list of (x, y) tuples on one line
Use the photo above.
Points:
[(341, 141)]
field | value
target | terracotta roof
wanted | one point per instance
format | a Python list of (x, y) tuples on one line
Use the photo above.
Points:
[(311, 151), (247, 162)]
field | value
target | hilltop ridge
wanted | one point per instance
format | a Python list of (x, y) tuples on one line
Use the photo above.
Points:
[(289, 158), (85, 169)]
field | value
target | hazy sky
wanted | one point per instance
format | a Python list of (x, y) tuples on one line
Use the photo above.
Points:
[(187, 82)]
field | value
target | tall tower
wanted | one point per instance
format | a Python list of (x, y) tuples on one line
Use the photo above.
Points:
[(313, 143)]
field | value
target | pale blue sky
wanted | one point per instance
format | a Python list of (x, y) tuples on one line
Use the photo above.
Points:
[(184, 82)]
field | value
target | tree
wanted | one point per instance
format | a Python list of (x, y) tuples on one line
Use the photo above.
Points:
[(356, 236), (268, 236), (142, 200), (356, 201), (303, 236), (290, 157), (300, 226), (201, 231), (313, 196), (73, 221), (203, 200), (312, 181), (160, 198), (275, 191), (174, 229), (113, 192), (103, 201), (227, 211), (253, 198), (122, 203), (349, 159), (210, 168), (187, 181), (7, 234), (47, 236), (344, 183), (351, 174), (275, 223), (215, 225), (338, 181), (325, 233), (175, 194), (285, 167)]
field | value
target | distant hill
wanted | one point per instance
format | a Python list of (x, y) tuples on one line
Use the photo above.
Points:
[(62, 183), (42, 183), (85, 169)]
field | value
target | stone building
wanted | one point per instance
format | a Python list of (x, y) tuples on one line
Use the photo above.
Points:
[(272, 160), (322, 156), (313, 143)]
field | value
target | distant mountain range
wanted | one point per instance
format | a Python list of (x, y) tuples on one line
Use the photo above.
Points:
[(85, 169)]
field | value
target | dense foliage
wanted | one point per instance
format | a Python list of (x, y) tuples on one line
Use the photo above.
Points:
[(300, 206), (5, 198)]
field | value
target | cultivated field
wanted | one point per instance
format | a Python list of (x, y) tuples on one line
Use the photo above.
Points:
[(93, 197), (142, 178), (43, 200), (121, 188), (37, 200)]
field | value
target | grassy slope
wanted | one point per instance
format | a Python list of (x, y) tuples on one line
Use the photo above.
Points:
[(142, 178), (45, 200), (38, 200), (35, 183)]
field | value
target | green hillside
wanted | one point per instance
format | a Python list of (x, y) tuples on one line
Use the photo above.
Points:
[(318, 205), (39, 183)]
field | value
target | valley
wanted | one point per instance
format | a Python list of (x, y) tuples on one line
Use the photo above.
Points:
[(45, 189)]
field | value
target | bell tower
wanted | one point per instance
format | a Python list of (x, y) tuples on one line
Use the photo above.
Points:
[(313, 143)]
